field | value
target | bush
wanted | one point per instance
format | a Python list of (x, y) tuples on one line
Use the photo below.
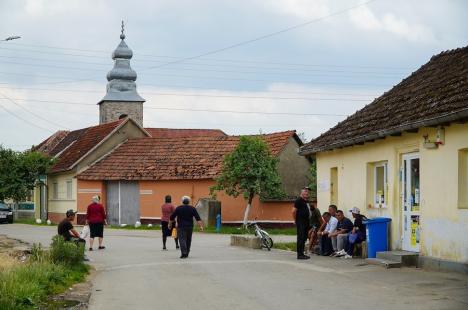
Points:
[(47, 272), (68, 253)]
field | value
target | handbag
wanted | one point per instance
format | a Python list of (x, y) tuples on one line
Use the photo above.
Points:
[(84, 232), (174, 233), (353, 237)]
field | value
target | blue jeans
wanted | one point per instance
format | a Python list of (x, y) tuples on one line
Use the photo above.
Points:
[(350, 245)]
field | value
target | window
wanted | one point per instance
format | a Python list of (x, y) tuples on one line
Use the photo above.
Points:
[(377, 185), (463, 179), (380, 185), (55, 190), (69, 189), (334, 186)]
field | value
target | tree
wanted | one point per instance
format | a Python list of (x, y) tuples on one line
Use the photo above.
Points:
[(250, 170), (19, 172), (313, 178)]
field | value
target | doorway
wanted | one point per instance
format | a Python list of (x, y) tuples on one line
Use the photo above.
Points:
[(123, 202), (411, 202)]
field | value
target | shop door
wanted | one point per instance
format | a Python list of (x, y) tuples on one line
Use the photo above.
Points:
[(411, 199)]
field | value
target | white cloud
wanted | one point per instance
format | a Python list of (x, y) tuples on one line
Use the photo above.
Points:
[(363, 18)]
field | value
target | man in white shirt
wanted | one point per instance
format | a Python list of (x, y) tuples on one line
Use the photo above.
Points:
[(326, 247)]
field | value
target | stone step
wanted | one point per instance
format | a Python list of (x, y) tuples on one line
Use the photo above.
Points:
[(384, 262), (404, 257)]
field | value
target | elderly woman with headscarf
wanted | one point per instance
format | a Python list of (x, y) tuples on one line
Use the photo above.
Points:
[(96, 219), (185, 214)]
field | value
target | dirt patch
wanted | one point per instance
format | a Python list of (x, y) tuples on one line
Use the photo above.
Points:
[(14, 252)]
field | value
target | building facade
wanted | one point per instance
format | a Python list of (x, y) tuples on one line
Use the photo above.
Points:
[(405, 157)]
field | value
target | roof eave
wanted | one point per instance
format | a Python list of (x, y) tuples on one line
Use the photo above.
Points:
[(450, 117)]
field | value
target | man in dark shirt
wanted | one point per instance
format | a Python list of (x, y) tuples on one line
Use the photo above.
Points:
[(340, 236), (185, 214), (66, 230), (301, 214), (358, 233), (315, 223)]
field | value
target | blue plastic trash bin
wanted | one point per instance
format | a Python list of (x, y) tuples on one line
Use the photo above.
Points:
[(377, 235)]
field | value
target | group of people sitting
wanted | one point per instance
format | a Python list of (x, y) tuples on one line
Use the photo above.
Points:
[(330, 233)]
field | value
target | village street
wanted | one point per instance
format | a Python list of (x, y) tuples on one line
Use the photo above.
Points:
[(133, 273)]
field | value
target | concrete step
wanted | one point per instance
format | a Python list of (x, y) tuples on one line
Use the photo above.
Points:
[(384, 262), (404, 257)]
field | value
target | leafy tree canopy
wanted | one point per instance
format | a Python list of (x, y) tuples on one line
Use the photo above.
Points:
[(19, 172), (249, 170)]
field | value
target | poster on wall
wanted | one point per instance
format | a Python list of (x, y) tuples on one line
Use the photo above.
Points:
[(414, 230), (323, 186)]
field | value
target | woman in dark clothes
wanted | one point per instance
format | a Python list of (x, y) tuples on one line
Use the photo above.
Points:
[(96, 219), (166, 211)]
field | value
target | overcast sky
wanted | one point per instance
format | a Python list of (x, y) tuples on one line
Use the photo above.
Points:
[(55, 74)]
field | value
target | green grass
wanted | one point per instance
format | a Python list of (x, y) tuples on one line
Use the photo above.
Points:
[(228, 230), (288, 246), (32, 222), (28, 285)]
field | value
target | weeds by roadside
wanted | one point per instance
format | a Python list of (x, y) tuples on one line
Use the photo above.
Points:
[(47, 272), (287, 246)]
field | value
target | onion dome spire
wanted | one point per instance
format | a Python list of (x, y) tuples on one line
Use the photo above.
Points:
[(121, 79)]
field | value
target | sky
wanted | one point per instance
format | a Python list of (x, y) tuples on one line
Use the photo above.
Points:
[(239, 66)]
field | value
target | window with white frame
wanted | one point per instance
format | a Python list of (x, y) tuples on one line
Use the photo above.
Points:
[(69, 189), (380, 185), (55, 190)]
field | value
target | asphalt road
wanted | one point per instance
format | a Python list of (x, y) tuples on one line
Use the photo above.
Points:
[(133, 273)]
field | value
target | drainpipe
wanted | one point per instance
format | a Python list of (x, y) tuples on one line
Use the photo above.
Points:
[(119, 206)]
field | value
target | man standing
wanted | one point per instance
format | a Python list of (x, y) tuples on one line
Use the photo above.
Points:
[(301, 214), (326, 247), (185, 214)]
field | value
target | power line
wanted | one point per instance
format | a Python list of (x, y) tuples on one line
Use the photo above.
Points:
[(32, 113), (300, 69), (197, 110), (262, 37), (138, 55), (23, 119), (200, 95)]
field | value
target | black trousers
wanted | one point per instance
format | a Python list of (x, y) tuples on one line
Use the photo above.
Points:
[(166, 232), (326, 247), (302, 227), (185, 239)]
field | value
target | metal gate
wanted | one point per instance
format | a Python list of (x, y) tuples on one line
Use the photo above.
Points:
[(123, 202)]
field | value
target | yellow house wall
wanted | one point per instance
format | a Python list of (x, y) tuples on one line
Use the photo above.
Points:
[(444, 227), (61, 204)]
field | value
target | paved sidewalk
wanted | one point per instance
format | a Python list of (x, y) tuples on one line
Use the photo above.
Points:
[(133, 273)]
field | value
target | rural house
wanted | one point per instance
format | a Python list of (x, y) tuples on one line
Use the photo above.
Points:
[(405, 156), (132, 168)]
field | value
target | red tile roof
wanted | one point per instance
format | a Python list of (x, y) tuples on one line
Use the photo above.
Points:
[(50, 144), (173, 159), (435, 94), (79, 142), (179, 133)]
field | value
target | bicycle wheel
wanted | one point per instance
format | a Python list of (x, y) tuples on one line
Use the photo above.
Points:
[(267, 242)]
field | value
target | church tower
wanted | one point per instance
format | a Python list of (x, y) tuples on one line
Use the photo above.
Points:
[(121, 99)]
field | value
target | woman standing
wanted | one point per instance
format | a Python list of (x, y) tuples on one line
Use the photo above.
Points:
[(166, 211), (96, 218)]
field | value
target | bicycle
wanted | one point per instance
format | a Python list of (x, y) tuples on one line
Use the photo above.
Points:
[(266, 240)]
